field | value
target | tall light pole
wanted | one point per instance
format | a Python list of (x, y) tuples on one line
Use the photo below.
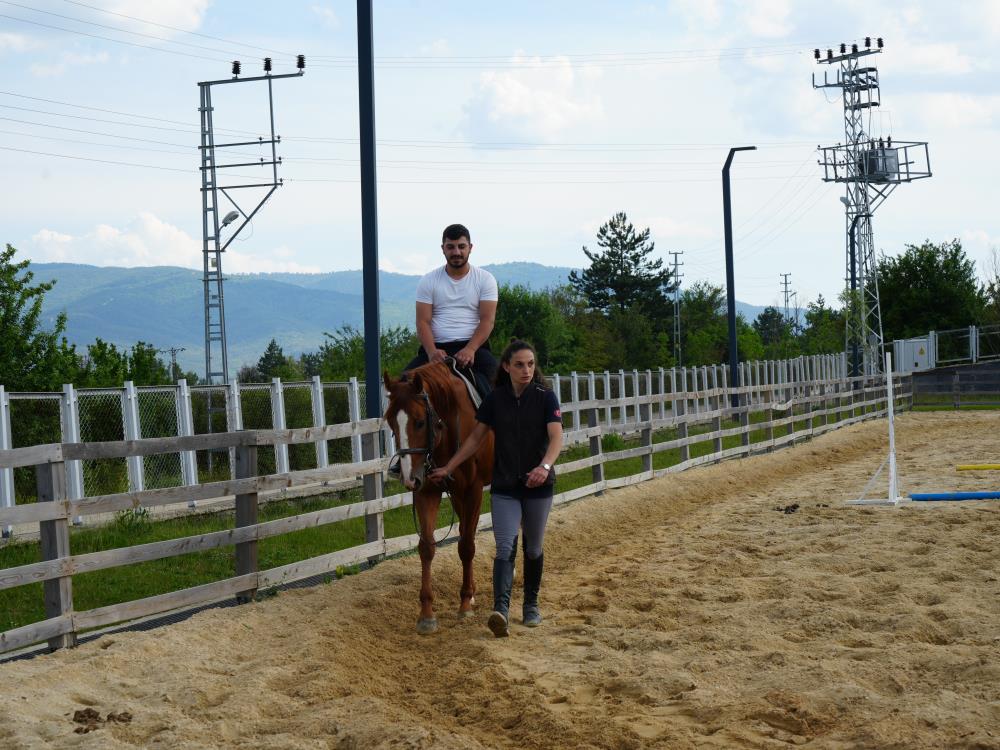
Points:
[(727, 216)]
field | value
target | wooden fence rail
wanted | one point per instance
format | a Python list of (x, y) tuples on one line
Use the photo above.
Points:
[(803, 408)]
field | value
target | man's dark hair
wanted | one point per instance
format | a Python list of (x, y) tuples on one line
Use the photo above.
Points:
[(455, 232)]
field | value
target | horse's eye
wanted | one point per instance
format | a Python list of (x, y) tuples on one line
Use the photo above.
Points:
[(419, 424)]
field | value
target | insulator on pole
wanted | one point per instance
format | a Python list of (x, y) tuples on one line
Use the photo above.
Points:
[(236, 67), (267, 64), (300, 62)]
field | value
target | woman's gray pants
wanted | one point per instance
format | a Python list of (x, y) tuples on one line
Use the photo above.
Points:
[(509, 513)]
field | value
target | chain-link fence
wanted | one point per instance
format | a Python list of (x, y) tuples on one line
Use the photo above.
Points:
[(157, 408), (35, 419), (101, 419), (298, 401), (209, 415), (337, 411)]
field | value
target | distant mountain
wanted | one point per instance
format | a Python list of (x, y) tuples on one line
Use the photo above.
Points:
[(163, 305)]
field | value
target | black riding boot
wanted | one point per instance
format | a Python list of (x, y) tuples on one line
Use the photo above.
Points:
[(532, 581), (503, 578)]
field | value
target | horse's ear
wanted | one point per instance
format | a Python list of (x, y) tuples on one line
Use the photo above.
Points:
[(387, 380), (417, 382)]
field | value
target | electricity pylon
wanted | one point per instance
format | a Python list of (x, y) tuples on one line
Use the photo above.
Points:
[(871, 166)]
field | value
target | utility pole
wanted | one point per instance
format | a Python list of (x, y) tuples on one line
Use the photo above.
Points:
[(677, 306), (172, 351), (784, 284), (727, 218), (795, 306), (870, 166), (216, 350)]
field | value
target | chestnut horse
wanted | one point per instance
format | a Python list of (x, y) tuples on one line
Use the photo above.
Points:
[(430, 414)]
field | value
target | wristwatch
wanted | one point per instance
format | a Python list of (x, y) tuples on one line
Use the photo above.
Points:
[(547, 467)]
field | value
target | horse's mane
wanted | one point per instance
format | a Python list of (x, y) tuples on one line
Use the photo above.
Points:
[(439, 382)]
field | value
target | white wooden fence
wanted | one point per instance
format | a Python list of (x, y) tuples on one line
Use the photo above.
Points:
[(776, 405)]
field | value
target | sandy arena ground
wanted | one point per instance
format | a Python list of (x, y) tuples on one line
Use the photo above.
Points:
[(688, 612)]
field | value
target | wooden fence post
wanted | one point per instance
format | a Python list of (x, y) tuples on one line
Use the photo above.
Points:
[(54, 543), (681, 410), (372, 490), (714, 403), (645, 415), (246, 515), (596, 450)]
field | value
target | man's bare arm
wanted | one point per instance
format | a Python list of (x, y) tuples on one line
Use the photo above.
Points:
[(487, 317), (425, 310)]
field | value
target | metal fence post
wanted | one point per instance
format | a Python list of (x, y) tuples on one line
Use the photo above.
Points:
[(133, 431), (185, 428), (319, 420), (69, 416), (354, 413), (278, 422), (974, 344), (7, 497), (716, 408), (234, 418), (591, 385)]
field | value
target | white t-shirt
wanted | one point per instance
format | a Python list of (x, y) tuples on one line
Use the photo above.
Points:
[(456, 303)]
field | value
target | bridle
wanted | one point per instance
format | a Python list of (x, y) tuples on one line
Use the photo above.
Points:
[(427, 451), (432, 420)]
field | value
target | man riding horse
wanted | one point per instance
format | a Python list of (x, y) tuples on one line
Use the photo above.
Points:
[(456, 308)]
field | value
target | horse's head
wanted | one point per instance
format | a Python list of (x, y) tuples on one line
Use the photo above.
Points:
[(417, 427)]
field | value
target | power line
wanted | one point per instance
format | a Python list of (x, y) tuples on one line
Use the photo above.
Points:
[(113, 40)]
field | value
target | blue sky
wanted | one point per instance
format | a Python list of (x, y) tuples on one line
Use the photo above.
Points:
[(532, 123)]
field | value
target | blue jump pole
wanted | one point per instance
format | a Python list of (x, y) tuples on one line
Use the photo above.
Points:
[(955, 496)]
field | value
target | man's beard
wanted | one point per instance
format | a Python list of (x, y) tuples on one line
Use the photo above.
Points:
[(458, 261)]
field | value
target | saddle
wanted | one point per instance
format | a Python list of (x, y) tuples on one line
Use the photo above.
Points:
[(468, 377)]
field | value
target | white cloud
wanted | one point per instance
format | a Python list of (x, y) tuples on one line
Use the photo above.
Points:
[(932, 58), (408, 263), (183, 14), (697, 13), (768, 18), (327, 16), (960, 112), (15, 42), (437, 48), (668, 227), (66, 61), (150, 241), (532, 100)]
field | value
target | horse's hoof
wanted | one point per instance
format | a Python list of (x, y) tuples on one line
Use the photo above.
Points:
[(427, 625), (466, 614)]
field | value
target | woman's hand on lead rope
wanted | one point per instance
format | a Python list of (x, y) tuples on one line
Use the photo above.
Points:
[(536, 477), (439, 474)]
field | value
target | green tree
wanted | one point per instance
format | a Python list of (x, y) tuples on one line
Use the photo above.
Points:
[(532, 316), (343, 353), (928, 287), (107, 366), (775, 332), (703, 329), (824, 332), (623, 276), (31, 357)]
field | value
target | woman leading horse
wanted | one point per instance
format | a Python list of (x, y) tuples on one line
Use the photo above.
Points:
[(431, 415)]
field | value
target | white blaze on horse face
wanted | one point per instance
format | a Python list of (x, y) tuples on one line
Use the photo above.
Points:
[(404, 444)]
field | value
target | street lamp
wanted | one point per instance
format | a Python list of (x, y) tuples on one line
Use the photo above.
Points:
[(727, 214)]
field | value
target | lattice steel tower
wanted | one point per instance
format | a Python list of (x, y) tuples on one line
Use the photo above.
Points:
[(216, 351), (870, 164)]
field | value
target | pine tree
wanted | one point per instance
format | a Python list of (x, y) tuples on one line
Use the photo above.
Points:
[(623, 276)]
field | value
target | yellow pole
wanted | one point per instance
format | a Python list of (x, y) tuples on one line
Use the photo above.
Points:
[(978, 467)]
